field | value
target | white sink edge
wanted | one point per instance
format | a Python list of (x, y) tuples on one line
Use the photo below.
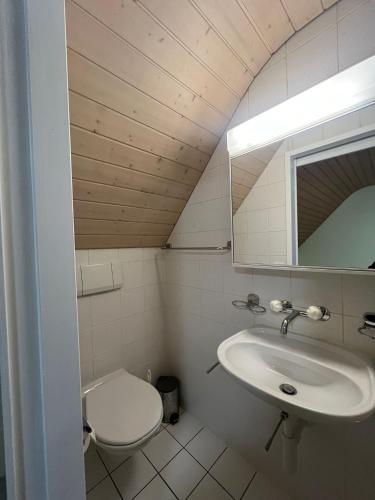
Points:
[(358, 413)]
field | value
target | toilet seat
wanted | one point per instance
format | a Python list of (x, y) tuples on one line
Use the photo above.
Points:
[(123, 410)]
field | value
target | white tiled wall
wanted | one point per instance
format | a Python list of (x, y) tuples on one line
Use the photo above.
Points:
[(259, 225), (200, 286), (126, 327)]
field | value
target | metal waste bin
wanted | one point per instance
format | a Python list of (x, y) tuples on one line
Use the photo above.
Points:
[(168, 388)]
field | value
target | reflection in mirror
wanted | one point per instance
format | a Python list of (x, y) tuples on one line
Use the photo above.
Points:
[(336, 210), (308, 200), (259, 206)]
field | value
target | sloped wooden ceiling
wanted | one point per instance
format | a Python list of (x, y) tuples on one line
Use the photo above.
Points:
[(324, 185), (153, 84)]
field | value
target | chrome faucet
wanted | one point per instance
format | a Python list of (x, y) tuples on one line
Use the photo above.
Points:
[(285, 322), (317, 313)]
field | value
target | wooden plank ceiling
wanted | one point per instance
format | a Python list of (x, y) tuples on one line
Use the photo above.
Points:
[(153, 84), (324, 185)]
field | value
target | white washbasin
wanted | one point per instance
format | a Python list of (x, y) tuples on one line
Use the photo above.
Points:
[(331, 382)]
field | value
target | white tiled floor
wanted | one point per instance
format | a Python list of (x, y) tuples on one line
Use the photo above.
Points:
[(182, 461)]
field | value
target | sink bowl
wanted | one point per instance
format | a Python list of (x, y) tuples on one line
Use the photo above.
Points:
[(322, 382)]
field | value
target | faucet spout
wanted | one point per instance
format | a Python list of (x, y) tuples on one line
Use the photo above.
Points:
[(285, 324)]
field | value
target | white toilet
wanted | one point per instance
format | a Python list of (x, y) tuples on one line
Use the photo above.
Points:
[(124, 412)]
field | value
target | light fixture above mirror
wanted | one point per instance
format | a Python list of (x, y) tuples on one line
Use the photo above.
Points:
[(349, 90)]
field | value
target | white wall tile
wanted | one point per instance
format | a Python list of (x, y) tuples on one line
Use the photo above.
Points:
[(268, 89), (130, 254), (107, 363), (358, 26), (107, 337), (345, 7), (211, 276), (134, 328), (317, 289), (312, 30), (305, 69), (82, 256), (358, 295), (355, 340), (106, 307), (133, 274), (85, 346), (103, 256), (132, 301), (84, 313), (272, 284), (330, 331)]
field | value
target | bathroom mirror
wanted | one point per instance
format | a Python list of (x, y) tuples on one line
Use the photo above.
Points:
[(303, 183)]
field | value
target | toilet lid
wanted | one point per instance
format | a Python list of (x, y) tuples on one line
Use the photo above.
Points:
[(123, 410)]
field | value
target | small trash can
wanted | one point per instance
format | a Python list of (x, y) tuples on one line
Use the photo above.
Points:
[(168, 388)]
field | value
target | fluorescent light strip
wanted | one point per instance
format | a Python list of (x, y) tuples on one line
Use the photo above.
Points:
[(347, 91)]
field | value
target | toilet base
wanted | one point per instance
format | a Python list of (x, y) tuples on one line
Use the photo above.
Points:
[(126, 451)]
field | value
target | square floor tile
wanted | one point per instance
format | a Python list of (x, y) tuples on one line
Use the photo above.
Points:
[(206, 448), (209, 489), (261, 489), (182, 474), (186, 428), (161, 449), (156, 490), (233, 472), (94, 468), (133, 475), (111, 461), (104, 491)]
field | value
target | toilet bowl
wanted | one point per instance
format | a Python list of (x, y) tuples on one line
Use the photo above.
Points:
[(124, 412)]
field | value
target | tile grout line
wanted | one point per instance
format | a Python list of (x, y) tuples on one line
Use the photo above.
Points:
[(248, 486), (109, 473), (148, 482), (157, 475), (212, 477), (196, 486), (207, 470), (97, 484), (187, 451)]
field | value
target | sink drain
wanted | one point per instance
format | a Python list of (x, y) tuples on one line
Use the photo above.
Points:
[(288, 389)]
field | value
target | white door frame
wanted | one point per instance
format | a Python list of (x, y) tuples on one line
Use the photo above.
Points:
[(39, 351)]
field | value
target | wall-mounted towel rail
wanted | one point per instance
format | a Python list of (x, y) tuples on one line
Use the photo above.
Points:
[(228, 246)]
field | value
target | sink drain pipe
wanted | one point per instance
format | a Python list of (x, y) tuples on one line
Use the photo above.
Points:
[(291, 434)]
